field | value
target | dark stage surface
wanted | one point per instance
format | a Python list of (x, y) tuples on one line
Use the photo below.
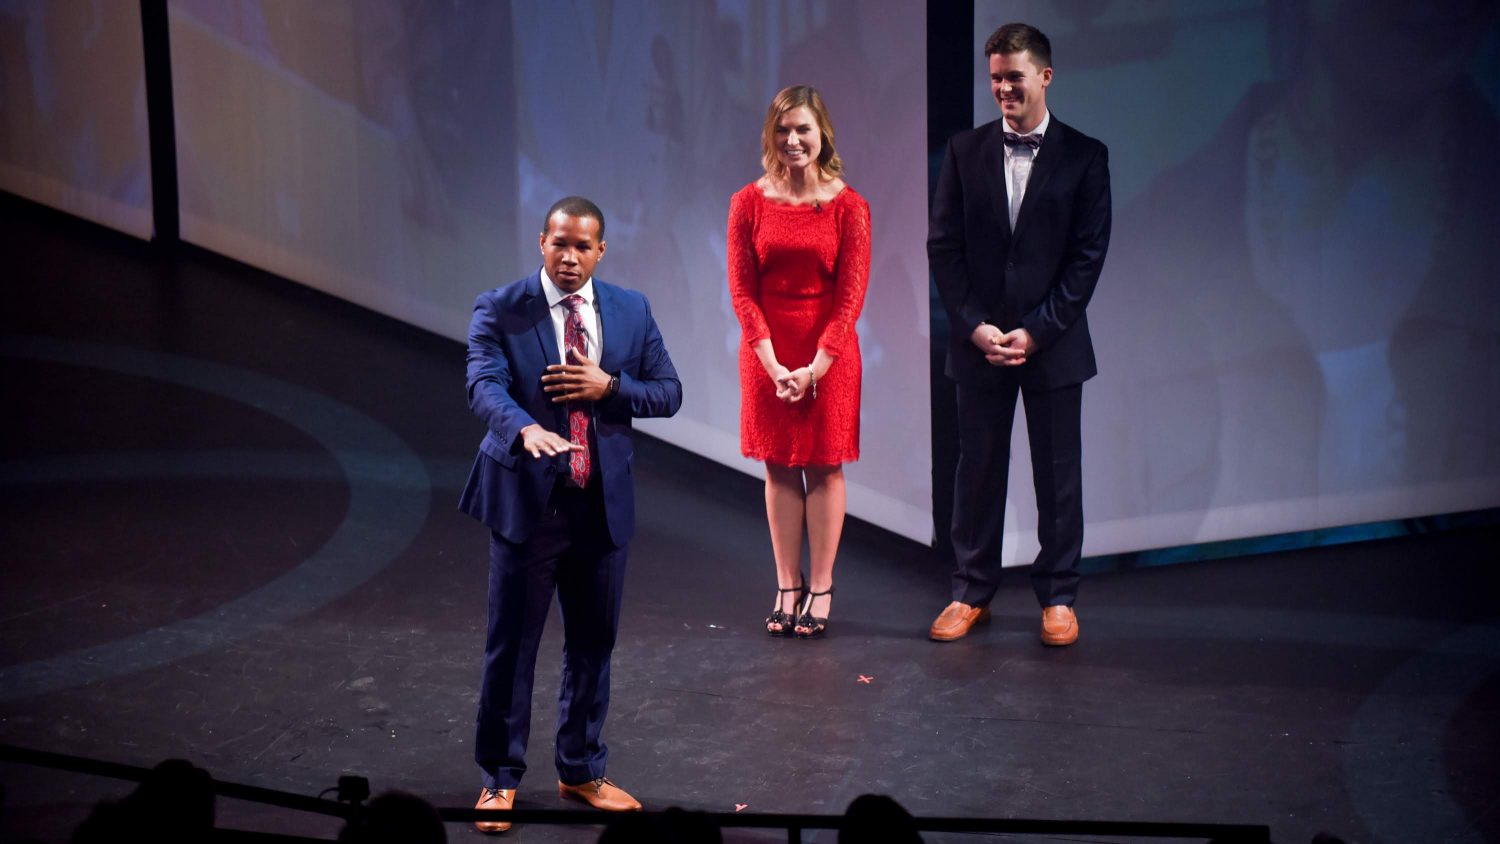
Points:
[(229, 535)]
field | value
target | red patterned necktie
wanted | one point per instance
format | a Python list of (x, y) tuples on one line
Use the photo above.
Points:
[(575, 339)]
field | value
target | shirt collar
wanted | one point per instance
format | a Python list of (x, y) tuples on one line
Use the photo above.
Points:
[(1041, 128), (554, 294)]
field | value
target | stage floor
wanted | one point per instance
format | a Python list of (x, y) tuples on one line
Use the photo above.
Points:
[(228, 526)]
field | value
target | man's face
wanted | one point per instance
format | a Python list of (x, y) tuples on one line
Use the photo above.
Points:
[(570, 249), (1019, 85)]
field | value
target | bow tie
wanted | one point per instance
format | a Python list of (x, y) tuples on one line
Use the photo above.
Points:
[(1033, 141)]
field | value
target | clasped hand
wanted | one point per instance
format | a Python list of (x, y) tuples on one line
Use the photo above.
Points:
[(791, 384), (1002, 348)]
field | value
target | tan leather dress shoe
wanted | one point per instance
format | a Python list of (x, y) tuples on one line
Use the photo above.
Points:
[(955, 620), (601, 794), (1059, 626), (499, 799)]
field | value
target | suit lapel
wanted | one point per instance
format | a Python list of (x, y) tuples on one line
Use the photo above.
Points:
[(1047, 158), (610, 320), (541, 319), (541, 326), (993, 151)]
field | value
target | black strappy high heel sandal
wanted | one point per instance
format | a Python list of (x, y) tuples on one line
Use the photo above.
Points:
[(779, 616), (815, 626)]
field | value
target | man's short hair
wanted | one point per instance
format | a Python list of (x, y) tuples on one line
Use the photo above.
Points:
[(1020, 37), (574, 206)]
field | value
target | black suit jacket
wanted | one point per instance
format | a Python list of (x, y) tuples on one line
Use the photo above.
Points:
[(1039, 276)]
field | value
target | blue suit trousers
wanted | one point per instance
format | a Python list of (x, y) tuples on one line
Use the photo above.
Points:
[(569, 553)]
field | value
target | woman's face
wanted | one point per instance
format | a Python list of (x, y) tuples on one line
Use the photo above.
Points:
[(798, 141)]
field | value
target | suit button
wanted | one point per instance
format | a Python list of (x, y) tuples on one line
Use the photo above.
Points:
[(550, 469), (1010, 265)]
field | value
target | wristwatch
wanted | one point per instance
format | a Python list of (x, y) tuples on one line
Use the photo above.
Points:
[(614, 386)]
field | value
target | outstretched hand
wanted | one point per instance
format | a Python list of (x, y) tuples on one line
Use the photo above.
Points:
[(539, 441)]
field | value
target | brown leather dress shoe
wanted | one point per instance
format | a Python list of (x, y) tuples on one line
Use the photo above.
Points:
[(955, 620), (601, 794), (499, 799), (1059, 626)]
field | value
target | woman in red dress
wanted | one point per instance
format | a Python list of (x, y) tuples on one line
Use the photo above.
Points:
[(799, 262)]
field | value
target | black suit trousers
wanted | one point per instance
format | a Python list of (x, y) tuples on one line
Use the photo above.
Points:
[(568, 553), (986, 415)]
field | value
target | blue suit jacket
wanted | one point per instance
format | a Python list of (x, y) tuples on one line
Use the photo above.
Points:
[(511, 342)]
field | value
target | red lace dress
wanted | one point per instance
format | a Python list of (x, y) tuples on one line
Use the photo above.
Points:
[(797, 274)]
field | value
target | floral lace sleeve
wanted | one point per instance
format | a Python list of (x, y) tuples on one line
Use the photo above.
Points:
[(852, 273), (744, 272)]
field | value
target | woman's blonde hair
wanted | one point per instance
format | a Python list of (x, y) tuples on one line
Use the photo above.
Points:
[(829, 163)]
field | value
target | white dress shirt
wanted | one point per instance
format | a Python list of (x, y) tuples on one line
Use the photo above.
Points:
[(1018, 161), (592, 330)]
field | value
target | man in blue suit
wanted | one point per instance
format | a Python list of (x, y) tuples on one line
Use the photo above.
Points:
[(1020, 224), (559, 364)]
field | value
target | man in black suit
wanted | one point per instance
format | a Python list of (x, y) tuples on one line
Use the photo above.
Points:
[(1020, 224), (559, 364)]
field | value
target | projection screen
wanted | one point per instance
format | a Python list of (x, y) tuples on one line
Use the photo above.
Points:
[(73, 110), (401, 155), (1298, 324)]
